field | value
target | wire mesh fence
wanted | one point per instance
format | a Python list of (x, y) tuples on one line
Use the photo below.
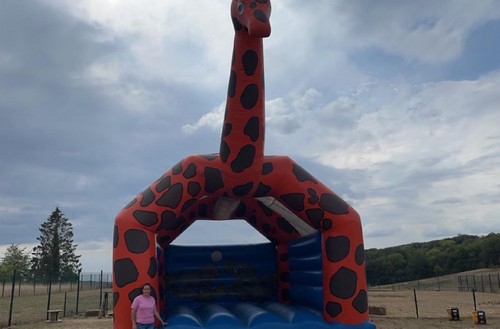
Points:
[(25, 301), (435, 304)]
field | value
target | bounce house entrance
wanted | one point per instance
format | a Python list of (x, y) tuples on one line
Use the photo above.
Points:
[(235, 286)]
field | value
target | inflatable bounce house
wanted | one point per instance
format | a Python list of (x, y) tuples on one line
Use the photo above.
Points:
[(311, 273)]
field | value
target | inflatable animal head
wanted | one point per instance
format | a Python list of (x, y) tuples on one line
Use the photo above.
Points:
[(252, 16)]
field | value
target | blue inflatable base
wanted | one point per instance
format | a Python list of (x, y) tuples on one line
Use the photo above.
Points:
[(270, 315)]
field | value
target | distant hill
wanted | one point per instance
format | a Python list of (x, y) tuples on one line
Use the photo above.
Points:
[(417, 261)]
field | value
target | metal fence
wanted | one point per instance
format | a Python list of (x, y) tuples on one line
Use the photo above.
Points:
[(435, 304), (26, 301)]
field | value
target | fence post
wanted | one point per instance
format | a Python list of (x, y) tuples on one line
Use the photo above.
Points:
[(19, 286), (78, 291), (474, 280), (491, 285), (482, 283), (50, 293), (439, 284), (12, 296), (34, 285), (64, 308), (100, 291), (416, 303)]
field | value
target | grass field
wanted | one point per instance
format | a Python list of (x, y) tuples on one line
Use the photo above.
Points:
[(32, 309)]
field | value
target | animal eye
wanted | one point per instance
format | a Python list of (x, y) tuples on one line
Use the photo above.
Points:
[(240, 7)]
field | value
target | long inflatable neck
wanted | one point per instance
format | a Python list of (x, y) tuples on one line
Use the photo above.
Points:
[(242, 140)]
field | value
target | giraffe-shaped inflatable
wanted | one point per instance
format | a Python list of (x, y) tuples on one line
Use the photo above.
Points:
[(272, 193)]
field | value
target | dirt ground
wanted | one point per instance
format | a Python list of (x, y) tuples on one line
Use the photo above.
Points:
[(400, 307), (382, 322)]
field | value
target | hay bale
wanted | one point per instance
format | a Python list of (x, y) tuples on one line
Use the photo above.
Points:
[(377, 310), (92, 312)]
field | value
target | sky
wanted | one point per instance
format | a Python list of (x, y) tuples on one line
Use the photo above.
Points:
[(394, 105)]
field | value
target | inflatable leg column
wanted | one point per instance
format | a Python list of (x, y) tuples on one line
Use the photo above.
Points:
[(344, 276)]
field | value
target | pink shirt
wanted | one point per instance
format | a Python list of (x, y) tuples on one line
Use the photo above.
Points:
[(144, 309)]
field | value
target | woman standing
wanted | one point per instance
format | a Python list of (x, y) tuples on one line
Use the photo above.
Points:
[(144, 310)]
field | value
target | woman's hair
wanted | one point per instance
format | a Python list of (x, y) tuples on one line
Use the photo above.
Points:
[(146, 284)]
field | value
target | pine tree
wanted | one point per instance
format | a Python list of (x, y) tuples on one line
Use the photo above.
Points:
[(55, 254)]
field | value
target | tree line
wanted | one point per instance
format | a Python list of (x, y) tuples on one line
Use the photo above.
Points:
[(429, 259), (53, 258)]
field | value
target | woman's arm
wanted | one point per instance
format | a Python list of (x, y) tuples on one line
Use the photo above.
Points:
[(159, 317), (132, 315)]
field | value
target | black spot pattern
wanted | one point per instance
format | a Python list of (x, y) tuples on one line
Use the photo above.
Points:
[(333, 204), (333, 309), (194, 188), (147, 197), (250, 96), (213, 180), (252, 129), (116, 296), (313, 199), (360, 255), (343, 283), (250, 61), (116, 238), (170, 222), (137, 241), (267, 168), (315, 216), (262, 190), (360, 303), (177, 169), (294, 201), (260, 15), (131, 203), (236, 23), (190, 171), (172, 197), (285, 225), (327, 224), (337, 248), (231, 90), (302, 175), (125, 272), (153, 267), (163, 184), (224, 151), (244, 159), (242, 190), (188, 204), (226, 130), (146, 218)]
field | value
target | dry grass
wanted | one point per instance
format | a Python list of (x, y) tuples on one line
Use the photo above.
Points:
[(74, 323), (32, 309)]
